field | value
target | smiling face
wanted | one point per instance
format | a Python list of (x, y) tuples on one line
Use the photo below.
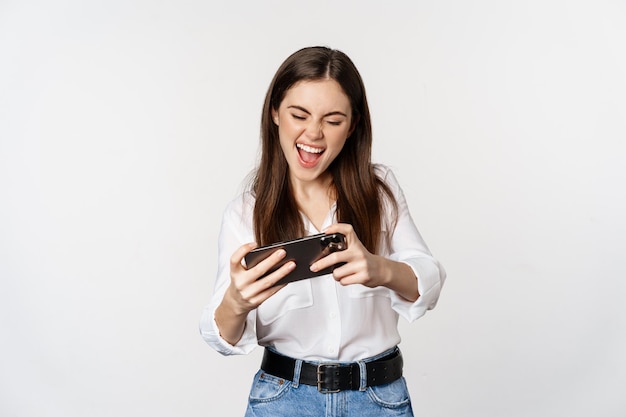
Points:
[(314, 120)]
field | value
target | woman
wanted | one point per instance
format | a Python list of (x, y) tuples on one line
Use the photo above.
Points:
[(331, 341)]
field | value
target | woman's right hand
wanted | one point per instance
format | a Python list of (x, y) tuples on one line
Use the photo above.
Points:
[(246, 291)]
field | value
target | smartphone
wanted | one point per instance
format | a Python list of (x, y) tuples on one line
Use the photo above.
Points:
[(303, 251)]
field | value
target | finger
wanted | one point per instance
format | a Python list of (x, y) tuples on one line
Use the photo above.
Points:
[(343, 228), (346, 270), (329, 260), (349, 280), (238, 255), (346, 277), (265, 287), (271, 279), (352, 240), (263, 296), (268, 263)]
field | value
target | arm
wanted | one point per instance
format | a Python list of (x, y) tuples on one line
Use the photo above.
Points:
[(228, 323), (363, 267), (407, 267), (246, 292)]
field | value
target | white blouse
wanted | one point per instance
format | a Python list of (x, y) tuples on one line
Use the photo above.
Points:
[(318, 319)]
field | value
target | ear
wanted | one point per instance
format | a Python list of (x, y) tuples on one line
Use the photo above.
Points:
[(355, 121), (275, 116)]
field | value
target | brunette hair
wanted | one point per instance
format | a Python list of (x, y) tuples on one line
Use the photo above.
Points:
[(360, 192)]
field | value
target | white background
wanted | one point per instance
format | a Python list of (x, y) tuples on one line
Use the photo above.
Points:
[(126, 127)]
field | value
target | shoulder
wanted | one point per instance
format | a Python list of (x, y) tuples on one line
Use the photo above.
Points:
[(240, 209), (381, 169), (386, 175)]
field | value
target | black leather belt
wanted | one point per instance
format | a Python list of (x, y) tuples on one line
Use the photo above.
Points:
[(334, 377)]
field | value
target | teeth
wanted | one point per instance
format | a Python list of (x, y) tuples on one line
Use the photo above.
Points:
[(309, 149)]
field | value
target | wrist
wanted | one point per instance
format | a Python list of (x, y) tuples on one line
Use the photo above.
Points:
[(386, 273), (399, 277), (232, 307)]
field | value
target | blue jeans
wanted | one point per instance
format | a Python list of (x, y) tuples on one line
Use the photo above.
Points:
[(271, 396)]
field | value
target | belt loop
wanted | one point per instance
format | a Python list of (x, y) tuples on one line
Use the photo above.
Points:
[(363, 374), (296, 373)]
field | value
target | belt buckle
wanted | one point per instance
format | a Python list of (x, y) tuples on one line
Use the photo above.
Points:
[(321, 368)]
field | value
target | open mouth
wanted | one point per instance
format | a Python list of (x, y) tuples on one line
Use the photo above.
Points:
[(309, 154)]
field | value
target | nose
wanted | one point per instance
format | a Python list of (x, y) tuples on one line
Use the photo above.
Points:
[(314, 130)]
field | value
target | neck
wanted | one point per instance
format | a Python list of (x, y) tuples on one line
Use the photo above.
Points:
[(317, 196)]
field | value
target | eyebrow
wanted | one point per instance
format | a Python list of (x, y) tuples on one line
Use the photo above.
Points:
[(332, 113)]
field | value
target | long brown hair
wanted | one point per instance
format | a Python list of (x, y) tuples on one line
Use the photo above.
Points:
[(360, 192)]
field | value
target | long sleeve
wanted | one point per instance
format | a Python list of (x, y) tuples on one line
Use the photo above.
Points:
[(318, 318), (408, 246), (235, 231)]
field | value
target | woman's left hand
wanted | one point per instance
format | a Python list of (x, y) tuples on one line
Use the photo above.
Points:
[(365, 268), (362, 267)]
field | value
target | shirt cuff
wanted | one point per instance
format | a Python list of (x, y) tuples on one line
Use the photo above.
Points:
[(430, 277), (211, 334)]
